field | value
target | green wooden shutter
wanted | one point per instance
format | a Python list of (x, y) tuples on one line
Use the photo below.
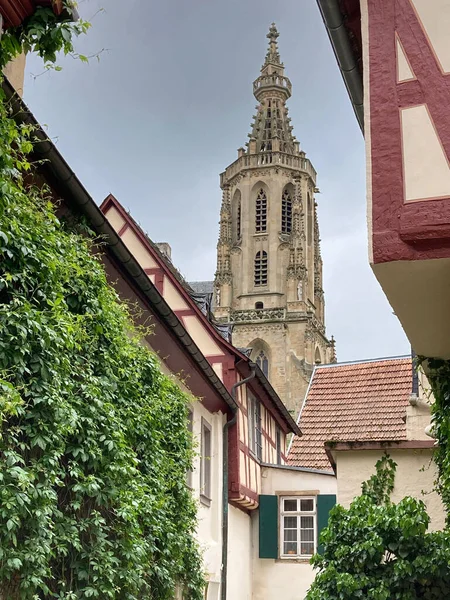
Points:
[(325, 503), (268, 527)]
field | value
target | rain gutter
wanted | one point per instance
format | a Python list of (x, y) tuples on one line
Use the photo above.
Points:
[(74, 192), (340, 41)]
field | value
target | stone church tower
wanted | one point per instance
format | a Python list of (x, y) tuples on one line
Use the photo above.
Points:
[(268, 283)]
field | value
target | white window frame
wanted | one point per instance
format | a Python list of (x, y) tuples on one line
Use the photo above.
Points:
[(206, 470), (297, 514)]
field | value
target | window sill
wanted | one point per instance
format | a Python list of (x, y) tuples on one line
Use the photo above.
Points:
[(205, 500), (306, 560)]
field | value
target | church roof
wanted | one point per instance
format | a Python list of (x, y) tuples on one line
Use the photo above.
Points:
[(352, 402), (202, 287)]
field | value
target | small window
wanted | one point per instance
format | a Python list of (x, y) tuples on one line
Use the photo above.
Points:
[(261, 268), (261, 212), (286, 212), (278, 445), (298, 527), (205, 476), (259, 305), (254, 424), (263, 363), (190, 473)]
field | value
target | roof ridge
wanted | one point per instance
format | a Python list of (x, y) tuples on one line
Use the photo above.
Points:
[(364, 361)]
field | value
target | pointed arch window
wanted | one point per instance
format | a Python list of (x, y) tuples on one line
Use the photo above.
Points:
[(261, 268), (261, 212), (286, 212), (238, 221), (263, 363)]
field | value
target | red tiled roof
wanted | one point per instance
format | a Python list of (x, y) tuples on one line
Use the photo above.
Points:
[(363, 401)]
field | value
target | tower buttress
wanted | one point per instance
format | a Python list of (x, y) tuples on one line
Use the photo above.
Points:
[(268, 282)]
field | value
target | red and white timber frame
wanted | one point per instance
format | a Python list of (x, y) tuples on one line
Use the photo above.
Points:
[(402, 48), (230, 365)]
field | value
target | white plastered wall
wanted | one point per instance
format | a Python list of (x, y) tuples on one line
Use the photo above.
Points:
[(286, 579), (209, 532), (415, 477), (239, 580)]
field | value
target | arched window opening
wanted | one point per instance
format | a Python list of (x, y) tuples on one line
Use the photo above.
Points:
[(261, 268), (318, 358), (259, 305), (263, 363), (236, 212), (261, 212), (238, 220), (309, 221), (286, 212)]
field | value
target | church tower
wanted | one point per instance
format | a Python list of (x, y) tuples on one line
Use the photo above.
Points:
[(268, 283)]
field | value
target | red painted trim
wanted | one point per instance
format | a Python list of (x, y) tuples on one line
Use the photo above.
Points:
[(112, 201), (404, 231), (185, 312), (152, 270), (122, 230)]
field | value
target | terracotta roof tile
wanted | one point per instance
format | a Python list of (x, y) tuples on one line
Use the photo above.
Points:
[(363, 401)]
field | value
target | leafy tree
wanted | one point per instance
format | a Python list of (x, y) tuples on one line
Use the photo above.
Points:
[(378, 550), (94, 444)]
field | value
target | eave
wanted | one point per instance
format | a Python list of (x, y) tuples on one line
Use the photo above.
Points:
[(342, 20), (14, 12), (378, 445), (77, 196), (273, 403)]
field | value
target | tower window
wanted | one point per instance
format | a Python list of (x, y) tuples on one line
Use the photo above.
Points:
[(286, 212), (238, 221), (261, 268), (259, 305), (261, 212), (263, 363)]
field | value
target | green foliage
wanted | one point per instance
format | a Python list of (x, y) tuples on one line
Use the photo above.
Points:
[(438, 372), (378, 550), (381, 485), (94, 444), (44, 33)]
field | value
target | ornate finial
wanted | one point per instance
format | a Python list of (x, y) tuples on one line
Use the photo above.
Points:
[(272, 55), (273, 32)]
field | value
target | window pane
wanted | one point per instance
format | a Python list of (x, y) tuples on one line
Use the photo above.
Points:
[(290, 535), (290, 548), (306, 549), (307, 522), (307, 505), (290, 505), (307, 535), (290, 522), (206, 461)]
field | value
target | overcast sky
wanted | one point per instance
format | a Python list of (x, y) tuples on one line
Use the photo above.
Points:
[(163, 112)]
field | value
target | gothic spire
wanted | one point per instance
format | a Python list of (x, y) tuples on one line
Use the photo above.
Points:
[(272, 129), (273, 56)]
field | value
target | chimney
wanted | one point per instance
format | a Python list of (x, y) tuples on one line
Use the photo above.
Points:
[(165, 249)]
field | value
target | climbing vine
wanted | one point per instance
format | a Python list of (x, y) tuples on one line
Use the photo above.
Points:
[(378, 550), (438, 372), (94, 444)]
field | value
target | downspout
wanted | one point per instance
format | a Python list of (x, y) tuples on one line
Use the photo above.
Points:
[(226, 428)]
